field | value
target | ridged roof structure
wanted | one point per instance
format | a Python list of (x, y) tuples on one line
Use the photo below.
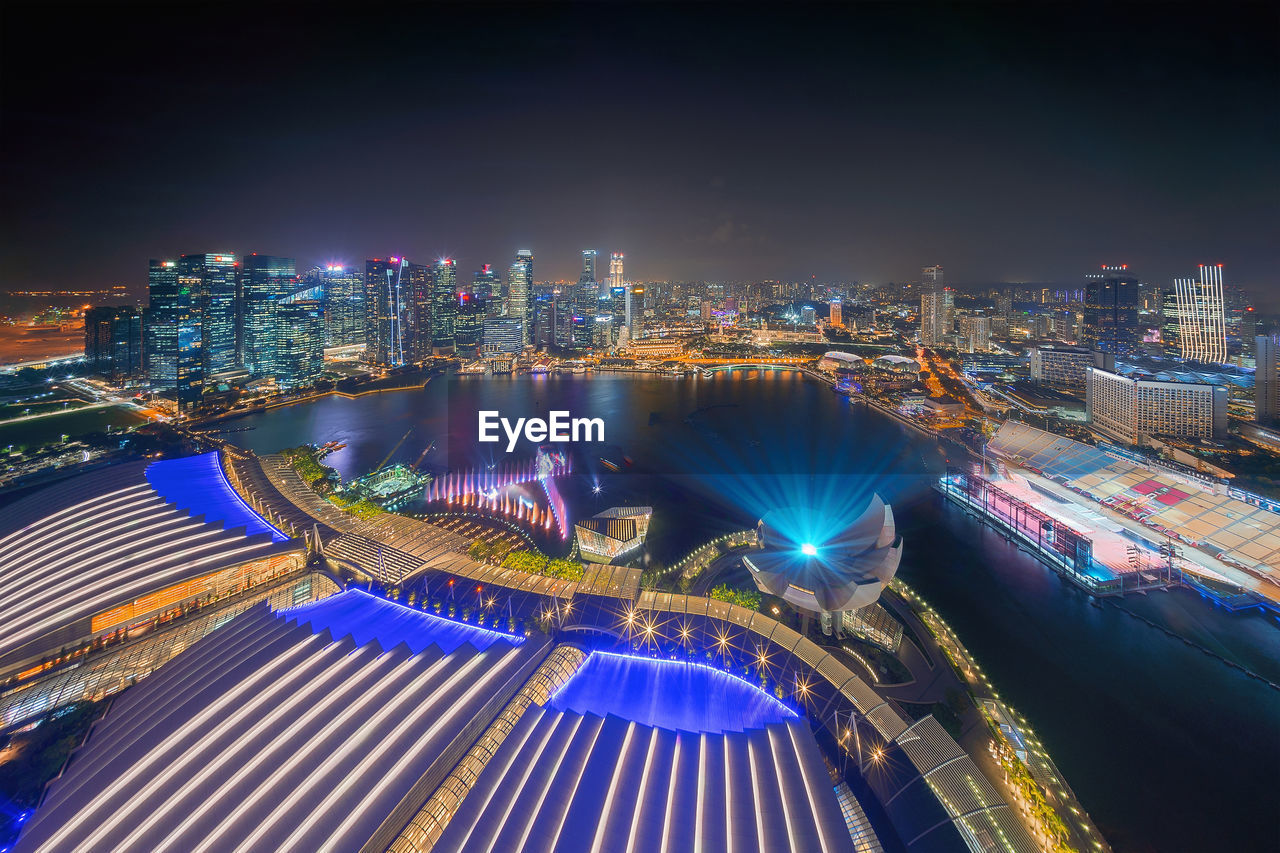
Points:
[(638, 753), (300, 731), (111, 537), (576, 782)]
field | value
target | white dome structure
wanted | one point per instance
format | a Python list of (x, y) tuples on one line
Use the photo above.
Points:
[(844, 572)]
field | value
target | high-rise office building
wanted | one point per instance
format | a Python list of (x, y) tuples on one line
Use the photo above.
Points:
[(936, 309), (520, 291), (298, 350), (937, 306), (975, 334), (618, 302), (159, 328), (1248, 332), (469, 325), (113, 342), (1111, 305), (602, 336), (486, 286), (503, 336), (172, 351), (836, 316), (417, 287), (265, 280), (579, 330), (1202, 324), (1170, 320), (1130, 409), (546, 318), (635, 315), (616, 279), (1266, 382), (444, 306), (343, 296), (584, 304), (387, 288), (587, 281), (214, 279), (1235, 303), (932, 278), (619, 295)]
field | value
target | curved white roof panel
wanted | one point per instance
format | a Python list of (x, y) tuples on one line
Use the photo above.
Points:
[(271, 734), (104, 539), (569, 781)]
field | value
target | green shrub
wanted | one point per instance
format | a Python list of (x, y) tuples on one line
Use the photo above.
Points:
[(750, 599)]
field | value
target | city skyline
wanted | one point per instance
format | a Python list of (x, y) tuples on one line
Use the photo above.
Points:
[(750, 147), (614, 425)]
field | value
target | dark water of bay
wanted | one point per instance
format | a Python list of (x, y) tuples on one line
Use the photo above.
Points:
[(1168, 748)]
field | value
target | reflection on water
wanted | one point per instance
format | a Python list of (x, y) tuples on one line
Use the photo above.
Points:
[(1168, 748)]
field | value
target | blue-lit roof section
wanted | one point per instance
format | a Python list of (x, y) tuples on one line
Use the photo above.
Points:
[(367, 617), (198, 485), (668, 694)]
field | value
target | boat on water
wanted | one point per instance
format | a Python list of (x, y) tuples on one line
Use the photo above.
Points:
[(329, 447)]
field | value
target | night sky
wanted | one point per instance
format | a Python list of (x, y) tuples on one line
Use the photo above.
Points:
[(1005, 141)]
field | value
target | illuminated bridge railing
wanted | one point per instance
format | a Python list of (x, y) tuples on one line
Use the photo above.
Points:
[(771, 632)]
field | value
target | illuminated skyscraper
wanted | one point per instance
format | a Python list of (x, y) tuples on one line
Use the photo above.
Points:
[(936, 306), (444, 306), (1170, 319), (931, 279), (836, 318), (1202, 326), (486, 287), (520, 291), (975, 334), (615, 270), (172, 349), (265, 280), (635, 310), (935, 309), (1266, 381), (298, 348), (588, 277), (584, 304), (113, 341), (619, 302), (619, 296), (417, 288), (343, 294), (213, 279), (469, 325), (1111, 311), (547, 325), (387, 287), (159, 329)]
